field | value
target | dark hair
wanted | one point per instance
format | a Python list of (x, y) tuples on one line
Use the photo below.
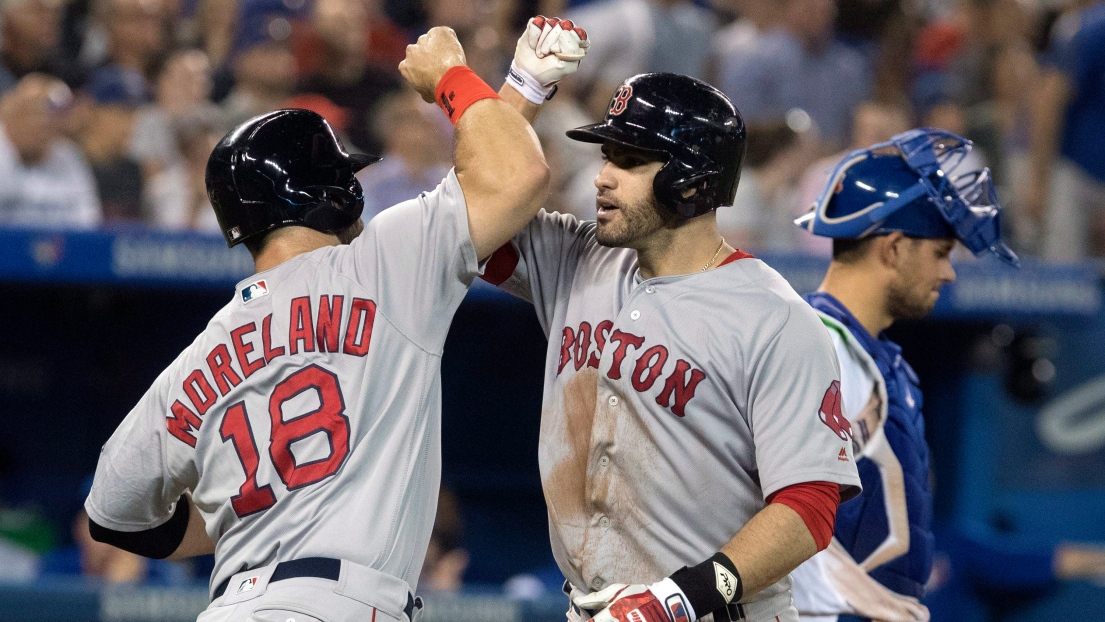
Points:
[(848, 250)]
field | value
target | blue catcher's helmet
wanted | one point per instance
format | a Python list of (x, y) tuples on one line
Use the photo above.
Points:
[(909, 184)]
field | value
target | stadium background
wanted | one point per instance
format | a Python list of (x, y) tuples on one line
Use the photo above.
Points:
[(1012, 363)]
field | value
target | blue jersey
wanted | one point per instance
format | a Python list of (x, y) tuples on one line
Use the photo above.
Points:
[(862, 524)]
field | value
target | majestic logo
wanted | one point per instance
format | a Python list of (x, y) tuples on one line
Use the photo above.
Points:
[(726, 582), (621, 100), (831, 414), (247, 585), (677, 610), (254, 290), (843, 455)]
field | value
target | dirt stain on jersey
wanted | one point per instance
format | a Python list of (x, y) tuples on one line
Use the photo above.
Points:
[(569, 433), (623, 552)]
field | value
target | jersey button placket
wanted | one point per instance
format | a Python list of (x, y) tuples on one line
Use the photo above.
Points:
[(604, 522), (604, 461), (635, 315), (613, 400)]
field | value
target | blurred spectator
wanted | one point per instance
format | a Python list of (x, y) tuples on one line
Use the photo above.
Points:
[(446, 557), (344, 75), (182, 88), (741, 36), (176, 196), (799, 64), (573, 164), (635, 36), (212, 28), (30, 32), (416, 152), (484, 28), (263, 65), (873, 122), (1065, 189), (116, 94), (134, 35), (44, 180), (761, 216), (103, 562)]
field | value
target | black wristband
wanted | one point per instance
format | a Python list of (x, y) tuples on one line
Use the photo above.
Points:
[(711, 585)]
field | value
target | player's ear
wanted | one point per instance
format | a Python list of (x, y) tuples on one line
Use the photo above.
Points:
[(890, 249)]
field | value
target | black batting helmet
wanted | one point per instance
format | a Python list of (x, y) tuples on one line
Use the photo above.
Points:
[(284, 168), (686, 122)]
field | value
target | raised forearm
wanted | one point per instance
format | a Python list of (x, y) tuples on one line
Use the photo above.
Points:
[(772, 544), (525, 107)]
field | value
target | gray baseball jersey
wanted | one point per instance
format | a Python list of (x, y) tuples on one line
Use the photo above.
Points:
[(673, 406), (305, 419)]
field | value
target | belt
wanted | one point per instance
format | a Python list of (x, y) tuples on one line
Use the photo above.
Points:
[(317, 567)]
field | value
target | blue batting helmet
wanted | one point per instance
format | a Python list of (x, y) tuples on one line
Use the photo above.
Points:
[(909, 184)]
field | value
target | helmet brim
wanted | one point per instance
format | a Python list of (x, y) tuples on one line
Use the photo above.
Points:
[(599, 133), (357, 161)]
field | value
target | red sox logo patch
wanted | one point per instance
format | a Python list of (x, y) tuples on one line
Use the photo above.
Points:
[(831, 414), (621, 99)]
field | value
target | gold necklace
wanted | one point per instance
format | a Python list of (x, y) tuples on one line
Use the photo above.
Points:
[(716, 253)]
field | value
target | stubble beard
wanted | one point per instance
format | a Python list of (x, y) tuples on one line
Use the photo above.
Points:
[(637, 222), (903, 304)]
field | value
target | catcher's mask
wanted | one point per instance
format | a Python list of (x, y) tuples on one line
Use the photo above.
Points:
[(909, 184)]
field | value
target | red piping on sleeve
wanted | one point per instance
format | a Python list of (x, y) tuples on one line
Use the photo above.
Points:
[(501, 264), (816, 503)]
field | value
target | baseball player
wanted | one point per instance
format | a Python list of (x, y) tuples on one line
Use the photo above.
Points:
[(298, 437), (692, 447), (894, 212)]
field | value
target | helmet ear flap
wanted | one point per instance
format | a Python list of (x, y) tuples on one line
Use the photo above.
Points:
[(670, 188)]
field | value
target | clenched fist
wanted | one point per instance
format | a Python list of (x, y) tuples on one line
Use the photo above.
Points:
[(436, 52), (549, 50)]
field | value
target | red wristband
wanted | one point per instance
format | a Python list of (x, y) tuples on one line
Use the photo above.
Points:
[(458, 89)]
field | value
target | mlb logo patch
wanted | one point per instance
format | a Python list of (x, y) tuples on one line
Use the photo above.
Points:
[(247, 585), (254, 290), (235, 233)]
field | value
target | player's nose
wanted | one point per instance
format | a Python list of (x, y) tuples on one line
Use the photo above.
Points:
[(606, 179)]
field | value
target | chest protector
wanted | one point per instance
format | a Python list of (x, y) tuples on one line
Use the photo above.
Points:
[(862, 523)]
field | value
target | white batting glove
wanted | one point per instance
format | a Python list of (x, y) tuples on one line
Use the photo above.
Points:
[(549, 50), (660, 602)]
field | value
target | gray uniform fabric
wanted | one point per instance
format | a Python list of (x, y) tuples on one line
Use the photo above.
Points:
[(672, 407), (305, 419)]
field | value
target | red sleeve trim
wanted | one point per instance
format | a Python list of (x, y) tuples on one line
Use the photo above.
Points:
[(816, 503), (501, 264), (737, 254)]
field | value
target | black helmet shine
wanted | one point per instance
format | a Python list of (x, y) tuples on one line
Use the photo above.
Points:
[(284, 168), (688, 123)]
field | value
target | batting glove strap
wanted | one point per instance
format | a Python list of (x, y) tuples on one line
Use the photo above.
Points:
[(711, 585), (528, 85)]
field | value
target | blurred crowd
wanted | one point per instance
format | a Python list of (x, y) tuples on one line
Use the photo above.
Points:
[(109, 108)]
